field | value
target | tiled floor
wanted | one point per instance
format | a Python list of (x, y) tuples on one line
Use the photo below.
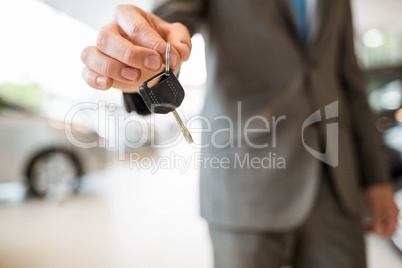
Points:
[(125, 217)]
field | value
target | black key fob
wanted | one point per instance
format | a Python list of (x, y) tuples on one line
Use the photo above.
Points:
[(134, 103), (165, 96)]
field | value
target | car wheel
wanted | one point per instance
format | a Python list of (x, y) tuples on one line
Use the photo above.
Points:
[(53, 172)]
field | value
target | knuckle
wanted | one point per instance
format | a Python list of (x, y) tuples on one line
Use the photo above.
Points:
[(158, 45), (84, 74), (84, 54), (106, 68), (135, 29), (181, 27), (102, 39), (189, 43), (135, 8), (128, 56), (119, 8), (123, 7), (88, 77), (178, 25)]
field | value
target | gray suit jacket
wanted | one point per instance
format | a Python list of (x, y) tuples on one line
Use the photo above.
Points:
[(258, 66)]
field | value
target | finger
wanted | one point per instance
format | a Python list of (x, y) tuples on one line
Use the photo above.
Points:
[(134, 23), (368, 227), (386, 223), (119, 48), (96, 80), (377, 223), (390, 218), (392, 221), (387, 226), (175, 33), (130, 88), (179, 36), (104, 65)]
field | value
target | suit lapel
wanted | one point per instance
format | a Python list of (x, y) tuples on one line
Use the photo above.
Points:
[(289, 21), (323, 17)]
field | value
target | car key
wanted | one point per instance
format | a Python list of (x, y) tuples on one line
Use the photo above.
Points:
[(165, 96)]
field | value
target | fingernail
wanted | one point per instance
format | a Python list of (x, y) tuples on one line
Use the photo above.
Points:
[(101, 81), (152, 62), (129, 73)]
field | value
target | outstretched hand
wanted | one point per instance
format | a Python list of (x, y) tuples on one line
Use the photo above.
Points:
[(132, 48), (384, 211)]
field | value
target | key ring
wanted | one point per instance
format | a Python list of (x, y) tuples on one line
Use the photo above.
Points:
[(167, 66), (167, 61)]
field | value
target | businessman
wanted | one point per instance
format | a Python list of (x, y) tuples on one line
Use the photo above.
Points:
[(291, 61)]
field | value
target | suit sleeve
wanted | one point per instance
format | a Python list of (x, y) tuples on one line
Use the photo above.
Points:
[(372, 165), (188, 12)]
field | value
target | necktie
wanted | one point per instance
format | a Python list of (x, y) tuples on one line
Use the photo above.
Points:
[(299, 10)]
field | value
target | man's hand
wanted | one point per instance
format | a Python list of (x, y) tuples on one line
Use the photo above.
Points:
[(384, 212), (132, 48)]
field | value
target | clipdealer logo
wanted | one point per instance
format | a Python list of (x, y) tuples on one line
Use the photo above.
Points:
[(105, 121), (331, 154)]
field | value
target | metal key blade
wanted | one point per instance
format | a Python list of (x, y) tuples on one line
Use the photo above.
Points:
[(183, 128)]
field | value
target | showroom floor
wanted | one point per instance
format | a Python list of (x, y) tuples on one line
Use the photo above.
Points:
[(125, 217)]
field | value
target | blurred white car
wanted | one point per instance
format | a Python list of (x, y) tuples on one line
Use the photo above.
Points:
[(34, 149)]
